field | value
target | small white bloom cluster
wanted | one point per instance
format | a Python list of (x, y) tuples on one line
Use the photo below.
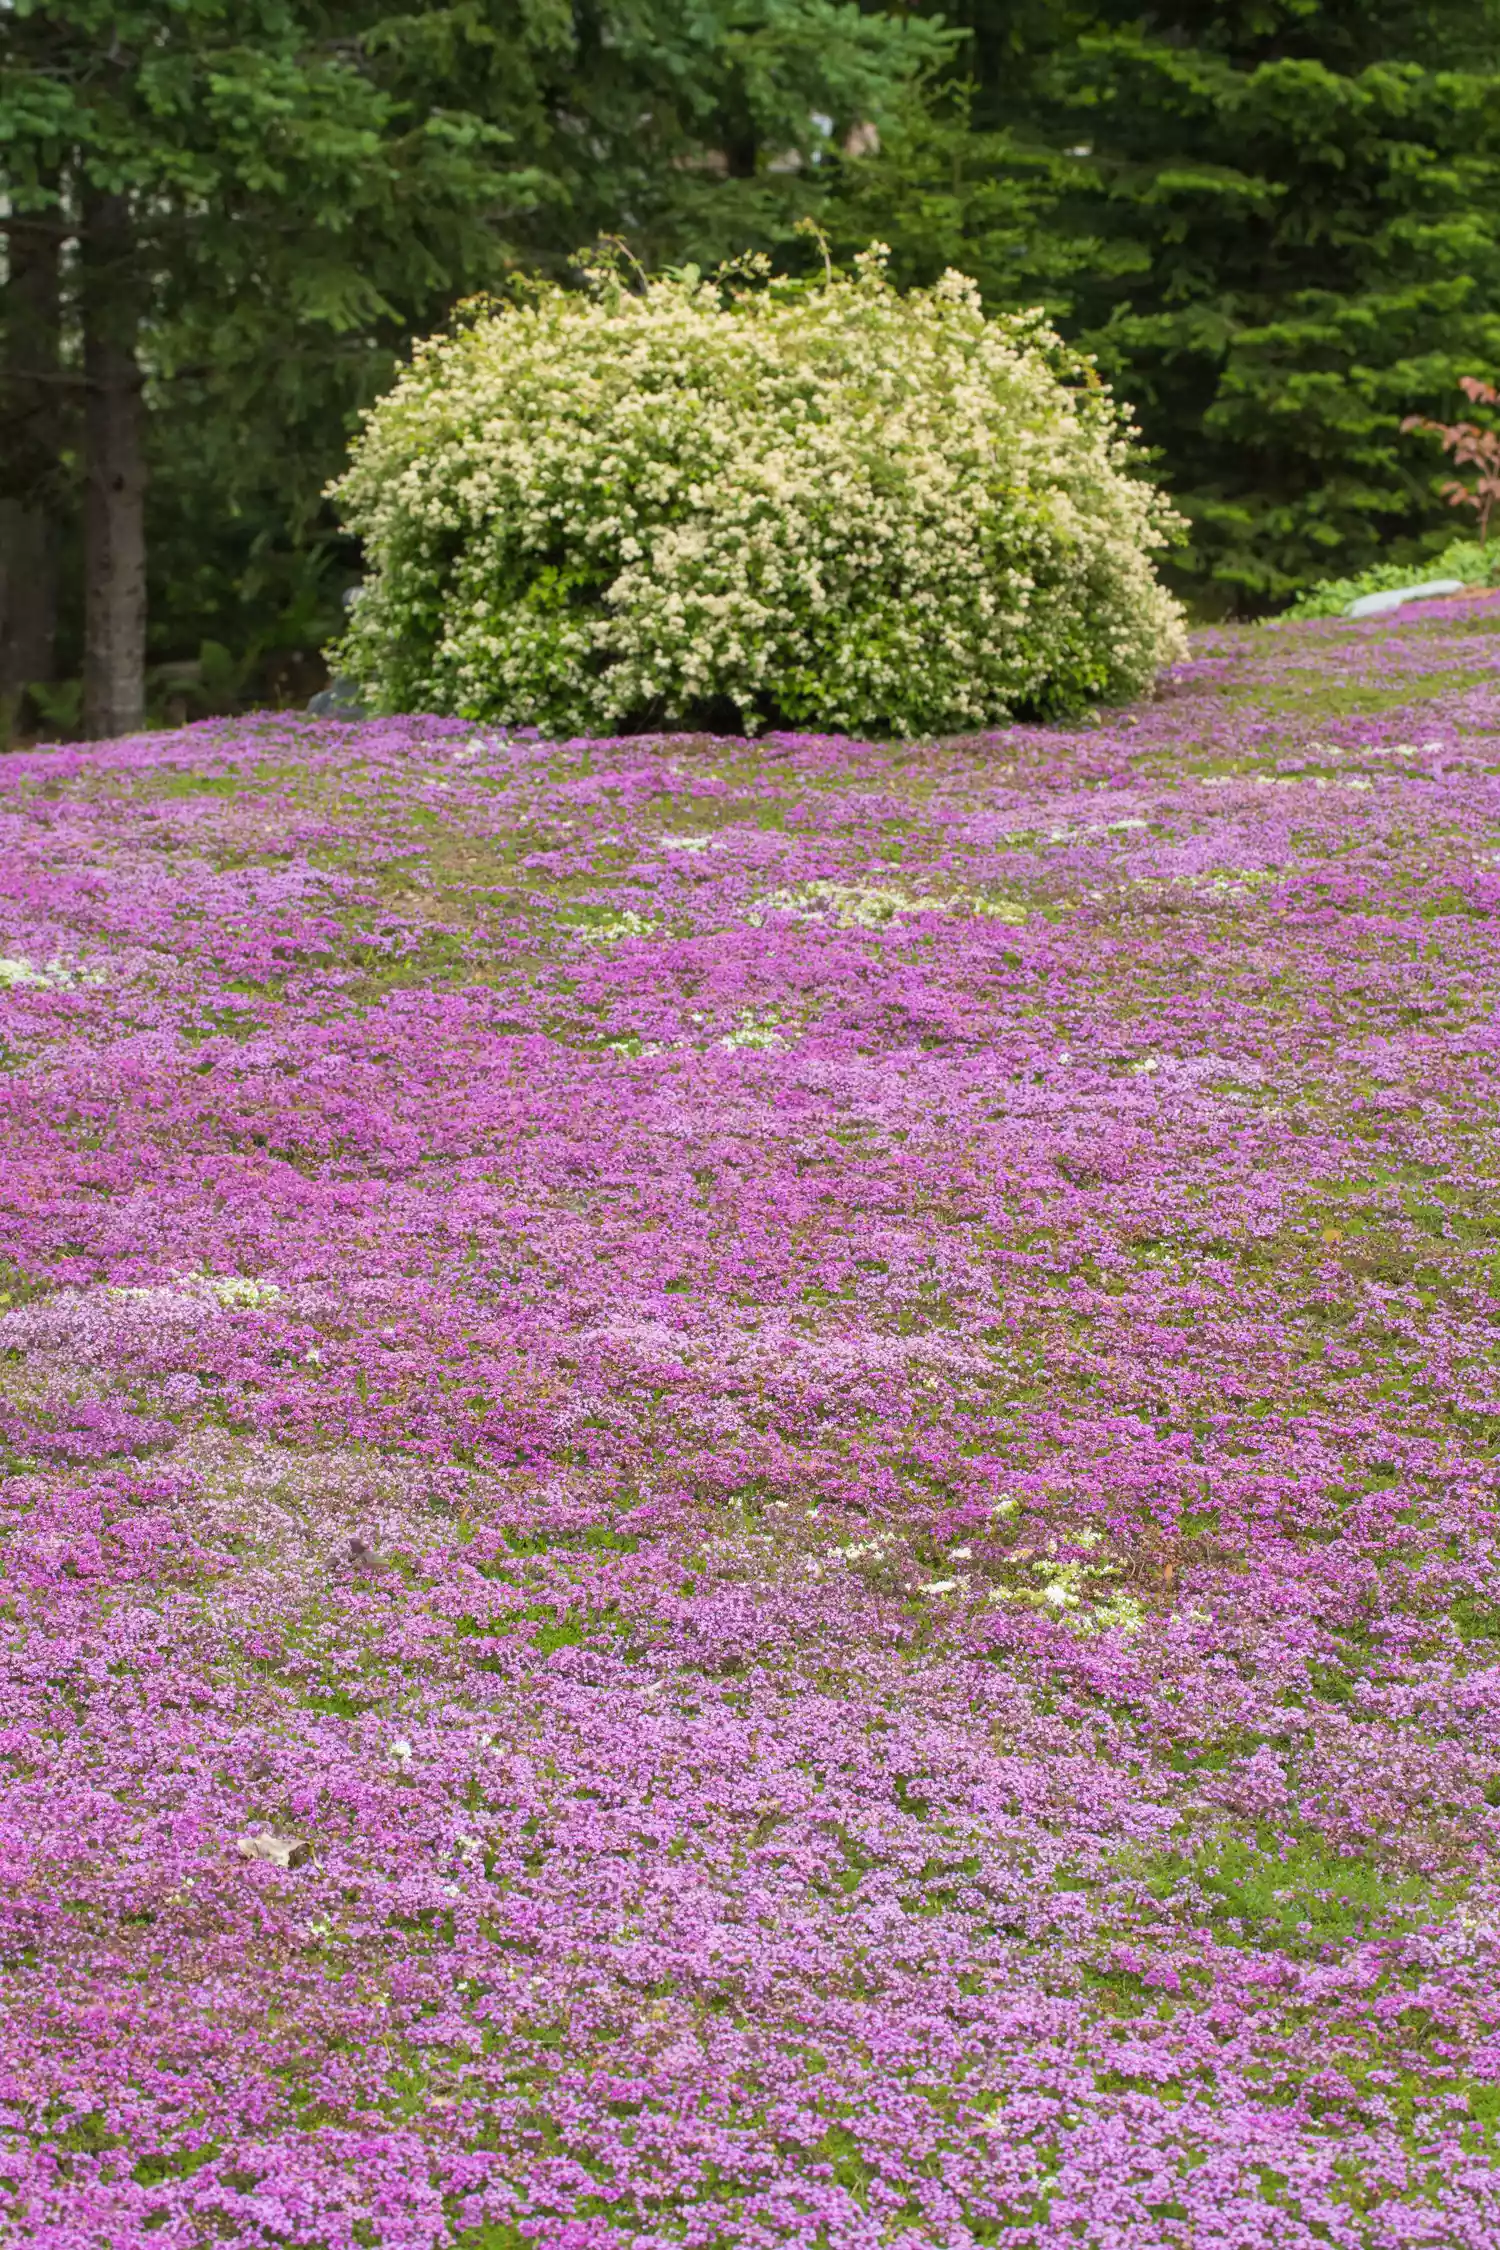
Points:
[(240, 1292), (870, 906), (53, 975), (821, 504)]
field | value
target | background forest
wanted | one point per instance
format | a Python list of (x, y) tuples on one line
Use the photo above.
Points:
[(1275, 222)]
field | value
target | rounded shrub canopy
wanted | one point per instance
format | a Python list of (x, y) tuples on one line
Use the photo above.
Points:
[(734, 502)]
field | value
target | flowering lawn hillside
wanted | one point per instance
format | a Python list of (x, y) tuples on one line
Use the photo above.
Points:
[(751, 1490)]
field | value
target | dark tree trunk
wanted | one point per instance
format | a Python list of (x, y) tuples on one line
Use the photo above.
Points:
[(114, 520), (742, 150), (30, 494), (737, 130)]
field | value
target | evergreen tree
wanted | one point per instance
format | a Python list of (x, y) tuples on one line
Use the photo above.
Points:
[(227, 217), (228, 178), (1277, 223)]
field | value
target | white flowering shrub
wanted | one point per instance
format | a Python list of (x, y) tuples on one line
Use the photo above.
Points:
[(732, 502)]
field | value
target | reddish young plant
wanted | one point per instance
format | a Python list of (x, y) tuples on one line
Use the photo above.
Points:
[(1472, 446)]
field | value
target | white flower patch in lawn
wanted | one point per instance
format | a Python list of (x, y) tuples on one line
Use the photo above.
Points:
[(1215, 882), (859, 1547), (1285, 781), (850, 905), (1252, 780), (238, 1291), (1077, 1593), (55, 975), (96, 1324), (869, 1559), (753, 1031), (242, 1291), (609, 929), (871, 906), (692, 844), (1123, 1614), (1235, 880)]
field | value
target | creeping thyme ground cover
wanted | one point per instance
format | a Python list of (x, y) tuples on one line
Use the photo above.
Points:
[(750, 1489)]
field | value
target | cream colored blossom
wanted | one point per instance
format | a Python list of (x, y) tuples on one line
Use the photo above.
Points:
[(828, 505)]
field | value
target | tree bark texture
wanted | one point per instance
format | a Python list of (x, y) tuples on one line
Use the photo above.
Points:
[(31, 418), (114, 521)]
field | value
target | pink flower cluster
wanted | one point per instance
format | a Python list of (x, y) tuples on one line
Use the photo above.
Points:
[(750, 1490)]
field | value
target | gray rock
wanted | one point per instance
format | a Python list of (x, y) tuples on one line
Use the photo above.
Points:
[(339, 700), (1376, 605)]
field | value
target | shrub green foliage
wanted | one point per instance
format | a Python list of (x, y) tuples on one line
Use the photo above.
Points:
[(731, 502), (1476, 565)]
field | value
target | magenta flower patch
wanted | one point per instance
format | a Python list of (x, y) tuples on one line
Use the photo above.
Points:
[(750, 1490)]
